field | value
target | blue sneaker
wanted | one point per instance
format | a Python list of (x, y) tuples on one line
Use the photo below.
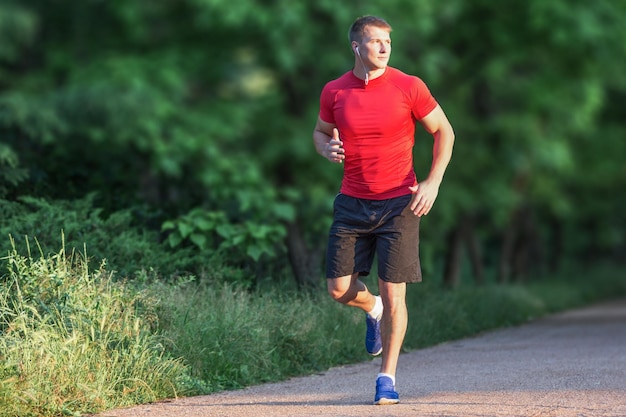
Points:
[(385, 392), (373, 342)]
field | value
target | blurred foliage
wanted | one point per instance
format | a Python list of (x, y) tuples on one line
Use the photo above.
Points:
[(11, 174), (115, 240), (201, 111)]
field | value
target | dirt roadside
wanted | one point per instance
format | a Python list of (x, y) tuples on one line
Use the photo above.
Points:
[(569, 364)]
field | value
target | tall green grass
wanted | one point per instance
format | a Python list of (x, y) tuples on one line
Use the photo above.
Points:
[(231, 338), (78, 341), (73, 341)]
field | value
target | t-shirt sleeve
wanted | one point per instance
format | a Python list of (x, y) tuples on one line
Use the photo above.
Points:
[(423, 100), (326, 105)]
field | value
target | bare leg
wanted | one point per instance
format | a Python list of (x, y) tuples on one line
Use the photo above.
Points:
[(394, 324), (349, 290)]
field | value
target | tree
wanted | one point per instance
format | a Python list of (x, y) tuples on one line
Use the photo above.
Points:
[(203, 110)]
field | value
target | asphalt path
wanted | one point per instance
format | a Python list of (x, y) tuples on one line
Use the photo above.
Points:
[(569, 364)]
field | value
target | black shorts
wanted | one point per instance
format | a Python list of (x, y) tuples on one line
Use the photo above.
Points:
[(362, 228)]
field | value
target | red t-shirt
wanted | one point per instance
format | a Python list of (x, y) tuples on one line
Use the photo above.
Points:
[(376, 123)]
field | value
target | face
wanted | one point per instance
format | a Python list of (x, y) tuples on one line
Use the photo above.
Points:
[(375, 48)]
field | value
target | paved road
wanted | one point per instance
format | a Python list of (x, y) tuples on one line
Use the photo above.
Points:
[(570, 364)]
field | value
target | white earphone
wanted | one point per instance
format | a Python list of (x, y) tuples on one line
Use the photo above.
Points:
[(362, 64)]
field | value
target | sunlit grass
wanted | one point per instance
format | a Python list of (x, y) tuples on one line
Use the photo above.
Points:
[(73, 341)]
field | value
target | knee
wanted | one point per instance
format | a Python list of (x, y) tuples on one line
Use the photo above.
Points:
[(394, 297), (337, 292)]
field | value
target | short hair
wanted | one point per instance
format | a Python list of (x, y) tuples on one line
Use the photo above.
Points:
[(357, 28)]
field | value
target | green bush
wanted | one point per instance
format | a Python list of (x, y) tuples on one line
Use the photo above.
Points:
[(127, 247), (11, 174)]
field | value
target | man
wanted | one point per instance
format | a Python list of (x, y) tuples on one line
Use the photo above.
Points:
[(367, 122)]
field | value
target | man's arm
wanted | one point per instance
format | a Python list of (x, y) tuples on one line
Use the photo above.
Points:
[(327, 142), (425, 193)]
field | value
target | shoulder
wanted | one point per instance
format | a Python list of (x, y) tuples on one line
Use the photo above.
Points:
[(415, 92), (406, 81), (339, 83)]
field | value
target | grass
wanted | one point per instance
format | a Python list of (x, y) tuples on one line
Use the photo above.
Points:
[(75, 341), (231, 338), (438, 315)]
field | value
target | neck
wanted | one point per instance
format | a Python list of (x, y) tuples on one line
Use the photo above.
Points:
[(360, 72)]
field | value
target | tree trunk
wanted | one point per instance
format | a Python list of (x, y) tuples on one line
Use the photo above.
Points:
[(555, 255), (522, 251), (461, 234), (473, 250), (452, 269), (305, 261), (509, 241)]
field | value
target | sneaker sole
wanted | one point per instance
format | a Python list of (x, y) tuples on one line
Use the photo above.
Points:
[(386, 401), (377, 353)]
